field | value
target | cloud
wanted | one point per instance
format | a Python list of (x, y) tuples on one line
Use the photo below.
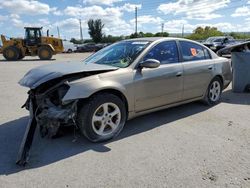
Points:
[(14, 16), (175, 26), (112, 17), (241, 11), (147, 19), (98, 11), (194, 9), (101, 2), (130, 7), (27, 7), (3, 18), (92, 12), (56, 12), (68, 23)]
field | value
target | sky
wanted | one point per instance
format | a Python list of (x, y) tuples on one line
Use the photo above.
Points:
[(119, 15)]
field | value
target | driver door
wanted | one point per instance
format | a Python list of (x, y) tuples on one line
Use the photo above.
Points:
[(163, 85)]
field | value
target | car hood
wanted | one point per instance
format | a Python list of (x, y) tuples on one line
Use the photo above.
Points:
[(42, 74)]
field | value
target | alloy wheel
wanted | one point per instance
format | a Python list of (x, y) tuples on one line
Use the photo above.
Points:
[(214, 91), (106, 119)]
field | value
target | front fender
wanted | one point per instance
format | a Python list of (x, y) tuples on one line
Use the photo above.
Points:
[(50, 46), (81, 90)]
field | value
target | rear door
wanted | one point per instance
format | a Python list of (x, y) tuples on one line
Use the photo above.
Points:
[(197, 69)]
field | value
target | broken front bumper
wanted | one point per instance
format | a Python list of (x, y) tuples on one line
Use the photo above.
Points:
[(48, 117), (25, 146)]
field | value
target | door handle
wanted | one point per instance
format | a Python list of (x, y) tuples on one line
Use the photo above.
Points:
[(178, 74), (210, 67)]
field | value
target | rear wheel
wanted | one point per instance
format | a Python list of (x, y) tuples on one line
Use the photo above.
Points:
[(102, 117), (214, 91), (70, 51), (11, 53), (45, 53)]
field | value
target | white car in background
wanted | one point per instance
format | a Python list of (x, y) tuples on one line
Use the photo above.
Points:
[(69, 47)]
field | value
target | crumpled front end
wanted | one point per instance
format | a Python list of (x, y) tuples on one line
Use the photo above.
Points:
[(51, 112), (48, 113), (48, 85)]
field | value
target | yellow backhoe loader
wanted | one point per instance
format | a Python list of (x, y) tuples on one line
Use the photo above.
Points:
[(32, 45)]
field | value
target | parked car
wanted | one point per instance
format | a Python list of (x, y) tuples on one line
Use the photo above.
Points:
[(69, 47), (122, 81), (217, 43), (89, 47)]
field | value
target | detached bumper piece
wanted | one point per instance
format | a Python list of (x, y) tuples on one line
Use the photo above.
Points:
[(48, 117), (25, 146)]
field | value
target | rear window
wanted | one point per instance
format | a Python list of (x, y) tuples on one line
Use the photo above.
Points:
[(193, 52)]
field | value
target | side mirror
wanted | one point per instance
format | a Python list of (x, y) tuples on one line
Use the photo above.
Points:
[(150, 63)]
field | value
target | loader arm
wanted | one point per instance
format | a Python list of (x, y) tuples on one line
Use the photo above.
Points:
[(3, 38)]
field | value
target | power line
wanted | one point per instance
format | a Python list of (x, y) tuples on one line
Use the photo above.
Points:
[(136, 21), (182, 31), (162, 29), (197, 7), (58, 32), (185, 16), (81, 36)]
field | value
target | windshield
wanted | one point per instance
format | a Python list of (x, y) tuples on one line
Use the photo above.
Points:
[(121, 54), (213, 39)]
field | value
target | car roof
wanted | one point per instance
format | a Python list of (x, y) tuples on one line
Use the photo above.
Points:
[(152, 39), (159, 39), (218, 37)]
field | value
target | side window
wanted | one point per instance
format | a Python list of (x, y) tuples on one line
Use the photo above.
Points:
[(192, 51), (165, 52), (207, 54)]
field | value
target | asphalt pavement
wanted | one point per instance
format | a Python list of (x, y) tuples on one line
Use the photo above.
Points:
[(187, 146)]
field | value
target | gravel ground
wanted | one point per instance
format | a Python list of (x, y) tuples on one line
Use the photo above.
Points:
[(186, 146)]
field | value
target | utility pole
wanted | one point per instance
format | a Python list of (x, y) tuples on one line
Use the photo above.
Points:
[(162, 29), (80, 21), (182, 33), (58, 32), (136, 21)]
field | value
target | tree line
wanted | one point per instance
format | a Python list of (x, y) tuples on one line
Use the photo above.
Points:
[(95, 30)]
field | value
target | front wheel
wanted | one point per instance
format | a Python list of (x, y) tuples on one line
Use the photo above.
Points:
[(102, 117), (214, 91), (45, 53)]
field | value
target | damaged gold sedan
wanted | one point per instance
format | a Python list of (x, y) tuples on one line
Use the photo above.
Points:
[(122, 81)]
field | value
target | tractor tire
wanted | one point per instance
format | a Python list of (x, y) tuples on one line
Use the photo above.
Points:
[(45, 53), (11, 53)]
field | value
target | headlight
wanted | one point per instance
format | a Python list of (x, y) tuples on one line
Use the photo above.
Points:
[(58, 93)]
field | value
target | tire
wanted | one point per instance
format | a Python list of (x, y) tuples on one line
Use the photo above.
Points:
[(11, 53), (45, 53), (69, 51), (94, 124), (213, 93)]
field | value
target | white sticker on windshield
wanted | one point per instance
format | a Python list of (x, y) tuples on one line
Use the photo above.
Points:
[(140, 42)]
